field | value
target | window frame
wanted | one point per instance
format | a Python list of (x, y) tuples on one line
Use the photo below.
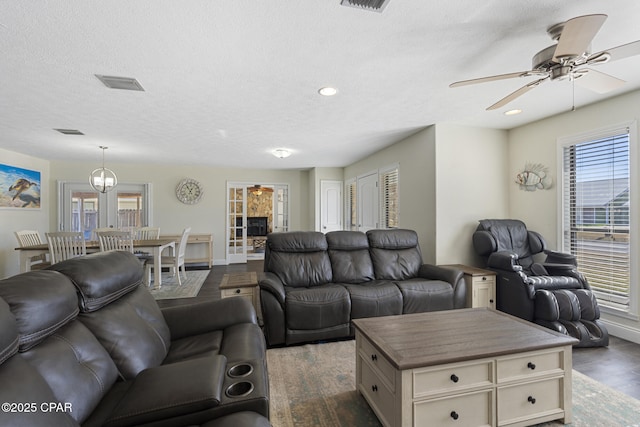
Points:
[(634, 248)]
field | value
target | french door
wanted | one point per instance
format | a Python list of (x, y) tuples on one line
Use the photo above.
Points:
[(81, 208), (242, 204)]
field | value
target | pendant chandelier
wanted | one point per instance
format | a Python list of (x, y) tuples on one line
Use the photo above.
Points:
[(103, 179)]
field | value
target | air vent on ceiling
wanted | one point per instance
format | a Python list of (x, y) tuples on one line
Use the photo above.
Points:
[(372, 5), (125, 83), (70, 131)]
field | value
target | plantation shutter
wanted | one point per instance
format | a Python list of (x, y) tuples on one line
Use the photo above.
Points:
[(352, 213), (596, 221), (390, 198)]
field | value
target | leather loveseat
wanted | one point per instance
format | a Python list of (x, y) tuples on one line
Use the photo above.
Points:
[(314, 284), (84, 343)]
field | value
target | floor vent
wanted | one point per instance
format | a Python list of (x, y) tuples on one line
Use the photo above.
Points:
[(372, 5), (125, 83)]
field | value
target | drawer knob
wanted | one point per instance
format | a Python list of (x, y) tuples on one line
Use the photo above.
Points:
[(374, 357), (531, 366), (374, 388), (531, 399), (238, 291), (454, 415), (484, 278), (454, 378)]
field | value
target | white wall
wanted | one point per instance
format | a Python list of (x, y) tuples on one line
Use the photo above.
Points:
[(537, 143), (471, 184), (22, 219), (416, 157), (209, 215)]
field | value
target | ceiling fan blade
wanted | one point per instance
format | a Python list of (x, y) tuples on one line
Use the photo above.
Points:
[(620, 52), (491, 78), (596, 81), (524, 89), (577, 35)]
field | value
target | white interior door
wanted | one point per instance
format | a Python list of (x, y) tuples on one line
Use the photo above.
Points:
[(367, 202), (280, 208), (330, 205), (236, 223)]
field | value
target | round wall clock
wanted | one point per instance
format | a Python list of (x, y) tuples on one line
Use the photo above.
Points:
[(189, 191)]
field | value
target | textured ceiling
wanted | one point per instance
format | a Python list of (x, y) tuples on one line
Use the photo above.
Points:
[(227, 81)]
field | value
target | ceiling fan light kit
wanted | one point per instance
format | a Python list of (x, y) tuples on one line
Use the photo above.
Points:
[(567, 60)]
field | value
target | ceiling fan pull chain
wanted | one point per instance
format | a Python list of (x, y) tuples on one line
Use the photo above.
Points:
[(573, 93)]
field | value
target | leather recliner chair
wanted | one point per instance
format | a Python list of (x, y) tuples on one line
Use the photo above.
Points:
[(553, 294)]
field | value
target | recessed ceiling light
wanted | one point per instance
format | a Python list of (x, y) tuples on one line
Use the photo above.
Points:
[(328, 91), (512, 112)]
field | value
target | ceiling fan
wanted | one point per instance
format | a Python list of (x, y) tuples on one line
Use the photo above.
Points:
[(258, 190), (568, 60)]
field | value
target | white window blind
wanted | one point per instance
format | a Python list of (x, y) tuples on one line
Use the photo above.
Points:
[(389, 197), (596, 221), (351, 211)]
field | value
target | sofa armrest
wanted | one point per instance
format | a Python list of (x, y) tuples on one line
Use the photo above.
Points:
[(206, 316), (555, 257), (271, 282), (504, 260), (450, 275), (171, 391)]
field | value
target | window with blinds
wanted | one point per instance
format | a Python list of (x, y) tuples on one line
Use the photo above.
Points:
[(350, 202), (389, 197), (595, 213)]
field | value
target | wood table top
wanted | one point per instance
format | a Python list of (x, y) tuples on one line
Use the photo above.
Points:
[(239, 280), (426, 339)]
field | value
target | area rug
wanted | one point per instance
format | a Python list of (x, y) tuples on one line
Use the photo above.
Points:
[(190, 286), (314, 385)]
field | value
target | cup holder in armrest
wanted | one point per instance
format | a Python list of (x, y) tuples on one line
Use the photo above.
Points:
[(240, 389), (240, 370)]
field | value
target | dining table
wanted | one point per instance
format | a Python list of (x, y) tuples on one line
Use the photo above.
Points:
[(155, 246)]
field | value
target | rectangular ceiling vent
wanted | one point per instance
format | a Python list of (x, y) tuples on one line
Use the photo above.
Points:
[(372, 5), (70, 131), (125, 83)]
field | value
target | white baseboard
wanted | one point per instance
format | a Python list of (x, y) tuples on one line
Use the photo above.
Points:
[(622, 331)]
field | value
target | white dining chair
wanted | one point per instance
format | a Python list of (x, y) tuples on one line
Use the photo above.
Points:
[(147, 233), (175, 262), (64, 245), (32, 238), (115, 240)]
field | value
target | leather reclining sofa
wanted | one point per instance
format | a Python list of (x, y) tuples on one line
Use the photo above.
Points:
[(84, 343), (314, 284)]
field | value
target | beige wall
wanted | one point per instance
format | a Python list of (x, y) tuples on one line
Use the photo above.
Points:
[(471, 184), (27, 219), (537, 143)]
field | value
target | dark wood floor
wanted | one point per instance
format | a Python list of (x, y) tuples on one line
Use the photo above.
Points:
[(617, 365)]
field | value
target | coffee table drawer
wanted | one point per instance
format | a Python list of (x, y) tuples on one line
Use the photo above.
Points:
[(452, 378), (469, 409), (530, 365), (380, 398), (524, 401), (369, 352)]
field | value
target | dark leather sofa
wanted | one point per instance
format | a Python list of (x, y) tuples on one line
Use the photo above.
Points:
[(314, 284), (84, 343)]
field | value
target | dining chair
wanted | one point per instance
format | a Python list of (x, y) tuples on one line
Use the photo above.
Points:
[(147, 233), (64, 245), (32, 238), (95, 231), (174, 262), (115, 240)]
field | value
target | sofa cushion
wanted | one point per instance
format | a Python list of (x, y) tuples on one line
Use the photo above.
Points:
[(8, 333), (318, 307), (395, 254), (376, 298), (132, 330), (349, 255), (102, 277), (42, 301), (300, 259), (76, 367), (420, 295)]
